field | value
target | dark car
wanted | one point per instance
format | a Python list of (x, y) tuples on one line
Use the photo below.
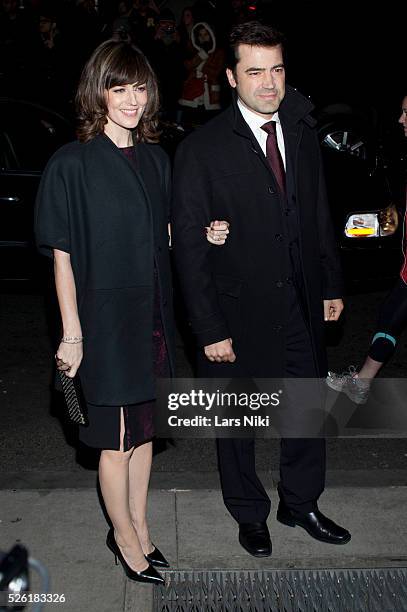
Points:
[(29, 134), (364, 195)]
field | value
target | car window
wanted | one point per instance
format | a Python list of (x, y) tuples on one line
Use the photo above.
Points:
[(32, 135)]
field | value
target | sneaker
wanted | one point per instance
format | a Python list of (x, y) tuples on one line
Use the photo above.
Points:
[(357, 389)]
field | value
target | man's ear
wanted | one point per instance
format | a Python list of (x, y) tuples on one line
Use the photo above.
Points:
[(231, 77)]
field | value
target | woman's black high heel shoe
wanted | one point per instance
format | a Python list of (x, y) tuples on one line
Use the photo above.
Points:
[(148, 575), (157, 558)]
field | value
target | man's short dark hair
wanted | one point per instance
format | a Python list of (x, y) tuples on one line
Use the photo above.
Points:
[(252, 33)]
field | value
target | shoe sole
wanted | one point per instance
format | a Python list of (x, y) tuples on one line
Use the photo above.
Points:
[(265, 554), (290, 523)]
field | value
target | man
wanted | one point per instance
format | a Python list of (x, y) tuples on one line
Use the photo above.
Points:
[(257, 304)]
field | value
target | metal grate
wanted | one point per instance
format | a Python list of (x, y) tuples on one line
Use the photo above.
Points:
[(347, 590)]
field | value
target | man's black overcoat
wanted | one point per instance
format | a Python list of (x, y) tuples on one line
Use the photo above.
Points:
[(112, 219), (240, 290)]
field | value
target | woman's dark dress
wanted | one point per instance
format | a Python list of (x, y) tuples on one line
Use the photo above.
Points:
[(104, 421)]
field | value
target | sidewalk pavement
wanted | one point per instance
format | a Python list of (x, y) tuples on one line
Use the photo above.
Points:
[(65, 529)]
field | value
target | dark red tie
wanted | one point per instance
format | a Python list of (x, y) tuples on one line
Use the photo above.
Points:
[(273, 154)]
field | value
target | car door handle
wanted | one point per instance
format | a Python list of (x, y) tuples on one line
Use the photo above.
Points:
[(15, 199)]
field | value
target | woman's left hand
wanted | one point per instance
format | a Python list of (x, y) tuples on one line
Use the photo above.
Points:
[(69, 357), (217, 232)]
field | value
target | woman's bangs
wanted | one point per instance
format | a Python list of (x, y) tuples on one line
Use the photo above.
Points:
[(127, 68)]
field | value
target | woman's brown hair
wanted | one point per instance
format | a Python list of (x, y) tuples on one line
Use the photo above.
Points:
[(115, 63)]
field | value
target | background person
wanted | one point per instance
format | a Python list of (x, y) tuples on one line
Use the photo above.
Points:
[(102, 213), (200, 96), (391, 322), (185, 27), (166, 57), (122, 25)]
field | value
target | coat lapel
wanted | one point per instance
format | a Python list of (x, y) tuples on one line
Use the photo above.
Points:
[(147, 175), (293, 111), (141, 172), (292, 138), (241, 128), (141, 169)]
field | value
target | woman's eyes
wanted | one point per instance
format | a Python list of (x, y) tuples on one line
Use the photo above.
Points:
[(140, 88)]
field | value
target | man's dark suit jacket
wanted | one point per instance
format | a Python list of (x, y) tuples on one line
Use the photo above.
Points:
[(241, 290)]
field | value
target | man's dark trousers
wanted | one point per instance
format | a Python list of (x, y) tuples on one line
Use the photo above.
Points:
[(302, 460)]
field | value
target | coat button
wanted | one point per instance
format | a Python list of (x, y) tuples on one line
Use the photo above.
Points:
[(279, 237), (271, 190), (279, 284)]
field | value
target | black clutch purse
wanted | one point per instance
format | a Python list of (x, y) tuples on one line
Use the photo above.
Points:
[(74, 399)]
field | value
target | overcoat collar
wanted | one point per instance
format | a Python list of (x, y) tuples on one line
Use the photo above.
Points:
[(294, 108)]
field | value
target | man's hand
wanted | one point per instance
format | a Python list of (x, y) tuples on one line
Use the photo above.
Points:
[(220, 351), (332, 309)]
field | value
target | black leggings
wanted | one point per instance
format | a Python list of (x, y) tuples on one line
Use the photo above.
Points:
[(392, 320)]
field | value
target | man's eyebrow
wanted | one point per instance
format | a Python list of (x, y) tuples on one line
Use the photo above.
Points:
[(255, 69)]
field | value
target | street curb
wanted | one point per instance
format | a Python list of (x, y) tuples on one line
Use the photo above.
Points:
[(87, 479)]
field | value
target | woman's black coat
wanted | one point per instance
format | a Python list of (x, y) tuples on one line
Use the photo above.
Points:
[(112, 220), (240, 290)]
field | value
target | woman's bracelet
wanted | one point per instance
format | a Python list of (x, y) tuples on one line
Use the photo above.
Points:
[(72, 339)]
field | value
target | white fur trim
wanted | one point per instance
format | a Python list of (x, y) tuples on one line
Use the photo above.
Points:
[(207, 99), (191, 103), (207, 27)]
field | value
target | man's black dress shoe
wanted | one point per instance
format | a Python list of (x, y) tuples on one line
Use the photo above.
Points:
[(157, 558), (315, 523), (255, 538)]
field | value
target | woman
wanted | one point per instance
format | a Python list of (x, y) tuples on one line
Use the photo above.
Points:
[(200, 96), (102, 214), (392, 321), (185, 28)]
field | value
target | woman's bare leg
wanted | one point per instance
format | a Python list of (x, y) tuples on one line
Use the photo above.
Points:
[(114, 484), (139, 476)]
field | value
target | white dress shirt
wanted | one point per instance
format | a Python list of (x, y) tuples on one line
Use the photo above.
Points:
[(255, 122)]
